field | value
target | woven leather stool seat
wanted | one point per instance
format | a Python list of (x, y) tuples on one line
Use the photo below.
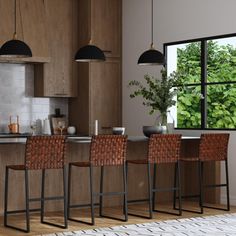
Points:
[(213, 147), (105, 150), (162, 148), (41, 153)]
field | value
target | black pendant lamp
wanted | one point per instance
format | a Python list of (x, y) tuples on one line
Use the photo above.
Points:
[(89, 53), (151, 56), (15, 47)]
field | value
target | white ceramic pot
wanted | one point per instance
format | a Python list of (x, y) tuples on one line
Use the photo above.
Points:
[(71, 130)]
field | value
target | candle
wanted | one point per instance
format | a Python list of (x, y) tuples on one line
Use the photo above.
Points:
[(96, 127)]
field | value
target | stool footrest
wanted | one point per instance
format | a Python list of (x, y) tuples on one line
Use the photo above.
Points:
[(109, 194), (22, 211), (83, 205), (215, 185), (164, 189)]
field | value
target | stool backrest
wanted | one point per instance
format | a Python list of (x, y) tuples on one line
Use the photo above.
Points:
[(108, 150), (45, 152), (214, 147), (164, 148)]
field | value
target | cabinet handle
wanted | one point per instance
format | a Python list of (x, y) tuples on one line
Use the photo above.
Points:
[(107, 51), (60, 94)]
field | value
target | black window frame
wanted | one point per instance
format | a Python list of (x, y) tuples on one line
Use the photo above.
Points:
[(203, 80)]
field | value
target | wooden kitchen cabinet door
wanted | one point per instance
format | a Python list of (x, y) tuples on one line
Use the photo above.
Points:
[(58, 76), (106, 26), (105, 95), (30, 27)]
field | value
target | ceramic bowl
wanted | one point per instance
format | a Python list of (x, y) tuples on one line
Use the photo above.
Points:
[(149, 130), (118, 130)]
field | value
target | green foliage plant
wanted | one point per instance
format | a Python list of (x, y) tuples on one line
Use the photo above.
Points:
[(158, 94)]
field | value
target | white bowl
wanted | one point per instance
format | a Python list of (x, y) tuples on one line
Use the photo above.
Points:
[(118, 130), (71, 130)]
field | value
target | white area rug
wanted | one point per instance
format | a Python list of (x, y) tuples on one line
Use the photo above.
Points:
[(210, 225)]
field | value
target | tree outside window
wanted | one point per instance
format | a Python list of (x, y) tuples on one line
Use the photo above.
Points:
[(208, 66)]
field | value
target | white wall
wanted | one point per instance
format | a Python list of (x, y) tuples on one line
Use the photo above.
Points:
[(173, 21)]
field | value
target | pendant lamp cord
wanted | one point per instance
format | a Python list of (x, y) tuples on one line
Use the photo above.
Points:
[(15, 36), (152, 25)]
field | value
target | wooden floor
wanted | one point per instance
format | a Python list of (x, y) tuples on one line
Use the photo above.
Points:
[(37, 228)]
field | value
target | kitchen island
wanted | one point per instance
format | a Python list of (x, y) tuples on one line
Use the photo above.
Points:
[(12, 152)]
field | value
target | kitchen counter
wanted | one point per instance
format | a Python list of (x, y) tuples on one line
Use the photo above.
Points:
[(14, 139), (22, 140), (12, 152)]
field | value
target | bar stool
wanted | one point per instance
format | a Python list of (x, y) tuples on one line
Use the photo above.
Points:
[(213, 147), (105, 150), (41, 153), (162, 149)]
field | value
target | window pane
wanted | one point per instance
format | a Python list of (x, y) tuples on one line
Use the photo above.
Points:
[(189, 107), (221, 60), (221, 106), (186, 59)]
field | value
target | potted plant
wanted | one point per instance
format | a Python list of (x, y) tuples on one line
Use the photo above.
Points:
[(158, 94)]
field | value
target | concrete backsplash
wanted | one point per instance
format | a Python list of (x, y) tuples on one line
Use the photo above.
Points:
[(17, 97)]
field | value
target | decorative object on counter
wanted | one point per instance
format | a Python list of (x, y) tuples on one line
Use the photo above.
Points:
[(38, 127), (71, 130), (118, 130), (59, 124), (33, 127), (149, 130), (158, 94), (14, 127), (151, 56), (96, 127), (58, 113), (46, 127), (54, 119), (15, 47)]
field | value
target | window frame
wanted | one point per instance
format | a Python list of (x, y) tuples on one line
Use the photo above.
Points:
[(203, 80)]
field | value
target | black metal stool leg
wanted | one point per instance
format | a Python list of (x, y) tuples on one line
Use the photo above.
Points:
[(177, 165), (126, 176), (227, 184), (65, 196), (149, 190), (101, 191), (154, 186), (175, 184), (42, 196), (200, 186), (91, 194), (6, 196), (125, 207), (69, 190), (27, 201)]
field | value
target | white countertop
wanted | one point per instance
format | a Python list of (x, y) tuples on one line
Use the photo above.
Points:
[(83, 139)]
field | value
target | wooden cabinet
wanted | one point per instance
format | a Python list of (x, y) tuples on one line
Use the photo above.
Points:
[(99, 83), (99, 97), (58, 77), (100, 22), (31, 27)]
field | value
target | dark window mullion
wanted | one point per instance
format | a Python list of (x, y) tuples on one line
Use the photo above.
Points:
[(203, 82)]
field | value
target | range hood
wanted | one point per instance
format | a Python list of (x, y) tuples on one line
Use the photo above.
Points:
[(31, 60)]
